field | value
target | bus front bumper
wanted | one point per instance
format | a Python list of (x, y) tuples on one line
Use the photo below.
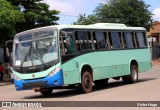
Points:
[(42, 83)]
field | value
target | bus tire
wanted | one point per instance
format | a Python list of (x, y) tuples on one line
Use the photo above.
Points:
[(133, 78), (102, 82), (47, 92), (134, 74), (86, 82)]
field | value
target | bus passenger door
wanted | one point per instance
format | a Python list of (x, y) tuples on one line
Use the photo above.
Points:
[(68, 54), (67, 46)]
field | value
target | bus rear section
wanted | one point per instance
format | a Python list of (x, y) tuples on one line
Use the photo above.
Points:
[(99, 54)]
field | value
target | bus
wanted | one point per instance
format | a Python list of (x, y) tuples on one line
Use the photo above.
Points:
[(78, 55)]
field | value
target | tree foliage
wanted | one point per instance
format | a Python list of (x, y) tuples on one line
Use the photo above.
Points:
[(21, 15), (8, 19), (36, 14), (129, 12), (85, 20)]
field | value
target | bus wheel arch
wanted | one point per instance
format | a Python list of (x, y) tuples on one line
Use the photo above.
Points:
[(134, 62), (86, 79), (87, 68)]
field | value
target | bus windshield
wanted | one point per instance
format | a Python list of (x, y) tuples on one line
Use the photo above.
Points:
[(34, 49)]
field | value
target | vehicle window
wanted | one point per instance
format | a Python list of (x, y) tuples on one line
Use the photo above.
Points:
[(100, 40), (82, 40), (140, 39), (128, 39), (67, 44), (115, 40)]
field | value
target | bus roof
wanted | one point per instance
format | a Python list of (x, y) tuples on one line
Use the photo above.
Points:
[(109, 26)]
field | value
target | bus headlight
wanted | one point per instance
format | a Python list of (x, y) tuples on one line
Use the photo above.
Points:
[(52, 73), (16, 77)]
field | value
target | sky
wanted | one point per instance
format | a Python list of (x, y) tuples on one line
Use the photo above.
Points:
[(70, 9)]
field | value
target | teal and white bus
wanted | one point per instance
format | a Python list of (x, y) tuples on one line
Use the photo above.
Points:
[(63, 55)]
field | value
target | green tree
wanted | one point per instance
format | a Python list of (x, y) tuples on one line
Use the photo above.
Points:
[(129, 12), (8, 19), (85, 20), (36, 14)]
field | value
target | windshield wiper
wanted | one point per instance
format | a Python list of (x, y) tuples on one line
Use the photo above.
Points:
[(41, 59), (29, 54), (26, 56)]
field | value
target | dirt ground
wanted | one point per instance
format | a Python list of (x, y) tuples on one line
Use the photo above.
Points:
[(156, 62)]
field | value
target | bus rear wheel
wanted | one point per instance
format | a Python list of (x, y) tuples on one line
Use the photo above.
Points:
[(47, 91), (86, 82), (133, 78)]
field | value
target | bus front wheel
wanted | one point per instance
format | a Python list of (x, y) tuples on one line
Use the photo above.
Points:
[(86, 82), (133, 78), (47, 91)]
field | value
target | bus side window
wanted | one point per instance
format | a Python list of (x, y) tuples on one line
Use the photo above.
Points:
[(140, 39), (67, 43), (128, 40), (95, 41), (78, 46), (100, 40), (134, 39), (106, 39), (115, 39), (83, 40), (90, 40)]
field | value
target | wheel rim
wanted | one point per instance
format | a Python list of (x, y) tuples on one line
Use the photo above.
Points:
[(87, 82), (134, 74)]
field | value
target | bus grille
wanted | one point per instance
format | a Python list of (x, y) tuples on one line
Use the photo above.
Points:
[(30, 85)]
